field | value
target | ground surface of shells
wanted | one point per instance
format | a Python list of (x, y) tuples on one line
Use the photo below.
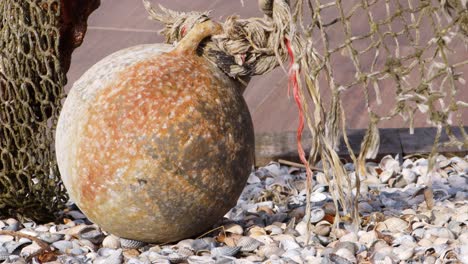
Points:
[(267, 225)]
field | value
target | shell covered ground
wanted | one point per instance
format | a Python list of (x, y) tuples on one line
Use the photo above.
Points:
[(267, 225)]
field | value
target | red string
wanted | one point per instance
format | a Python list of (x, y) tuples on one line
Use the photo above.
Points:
[(293, 73), (182, 30)]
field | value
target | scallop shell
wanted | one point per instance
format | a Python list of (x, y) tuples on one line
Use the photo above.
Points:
[(111, 241), (176, 258), (129, 243), (224, 251), (248, 244), (184, 251)]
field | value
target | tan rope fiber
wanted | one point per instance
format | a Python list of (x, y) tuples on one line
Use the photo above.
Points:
[(426, 74)]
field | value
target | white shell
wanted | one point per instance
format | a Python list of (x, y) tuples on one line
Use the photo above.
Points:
[(111, 241)]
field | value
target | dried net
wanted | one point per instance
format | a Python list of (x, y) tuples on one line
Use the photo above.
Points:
[(405, 44), (31, 90)]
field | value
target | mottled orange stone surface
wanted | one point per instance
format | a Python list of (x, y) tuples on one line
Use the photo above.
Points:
[(163, 149)]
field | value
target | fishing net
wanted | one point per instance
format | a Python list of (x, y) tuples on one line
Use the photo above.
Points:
[(34, 59), (405, 44)]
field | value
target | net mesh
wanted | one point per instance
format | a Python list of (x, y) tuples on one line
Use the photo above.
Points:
[(406, 45), (31, 82)]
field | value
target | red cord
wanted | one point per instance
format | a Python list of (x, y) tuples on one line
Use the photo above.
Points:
[(293, 72)]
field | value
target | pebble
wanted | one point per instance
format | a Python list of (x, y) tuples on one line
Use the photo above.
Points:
[(268, 225)]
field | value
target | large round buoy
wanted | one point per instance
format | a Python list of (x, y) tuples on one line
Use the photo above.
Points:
[(155, 143)]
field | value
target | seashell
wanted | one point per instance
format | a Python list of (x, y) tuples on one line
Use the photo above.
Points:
[(409, 175), (337, 259), (301, 228), (392, 225), (109, 256), (176, 258), (30, 250), (388, 163), (440, 232), (234, 229), (253, 179), (381, 253), (459, 164), (270, 250), (339, 232), (201, 245), (316, 214), (323, 228), (351, 247), (224, 251), (349, 237), (367, 238), (84, 243), (62, 245), (184, 251), (256, 231), (200, 260), (12, 224), (385, 176), (274, 169), (292, 254), (404, 252), (91, 234), (248, 244), (405, 240), (273, 230), (72, 231), (289, 244), (186, 243), (5, 238), (317, 197), (129, 243), (455, 227), (3, 254), (461, 215), (50, 237), (111, 241)]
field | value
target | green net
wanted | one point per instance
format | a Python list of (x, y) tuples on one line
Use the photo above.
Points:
[(31, 90)]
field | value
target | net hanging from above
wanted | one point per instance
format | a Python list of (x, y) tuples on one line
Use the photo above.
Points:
[(405, 44)]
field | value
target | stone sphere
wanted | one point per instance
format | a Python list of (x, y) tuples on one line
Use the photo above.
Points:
[(155, 145)]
